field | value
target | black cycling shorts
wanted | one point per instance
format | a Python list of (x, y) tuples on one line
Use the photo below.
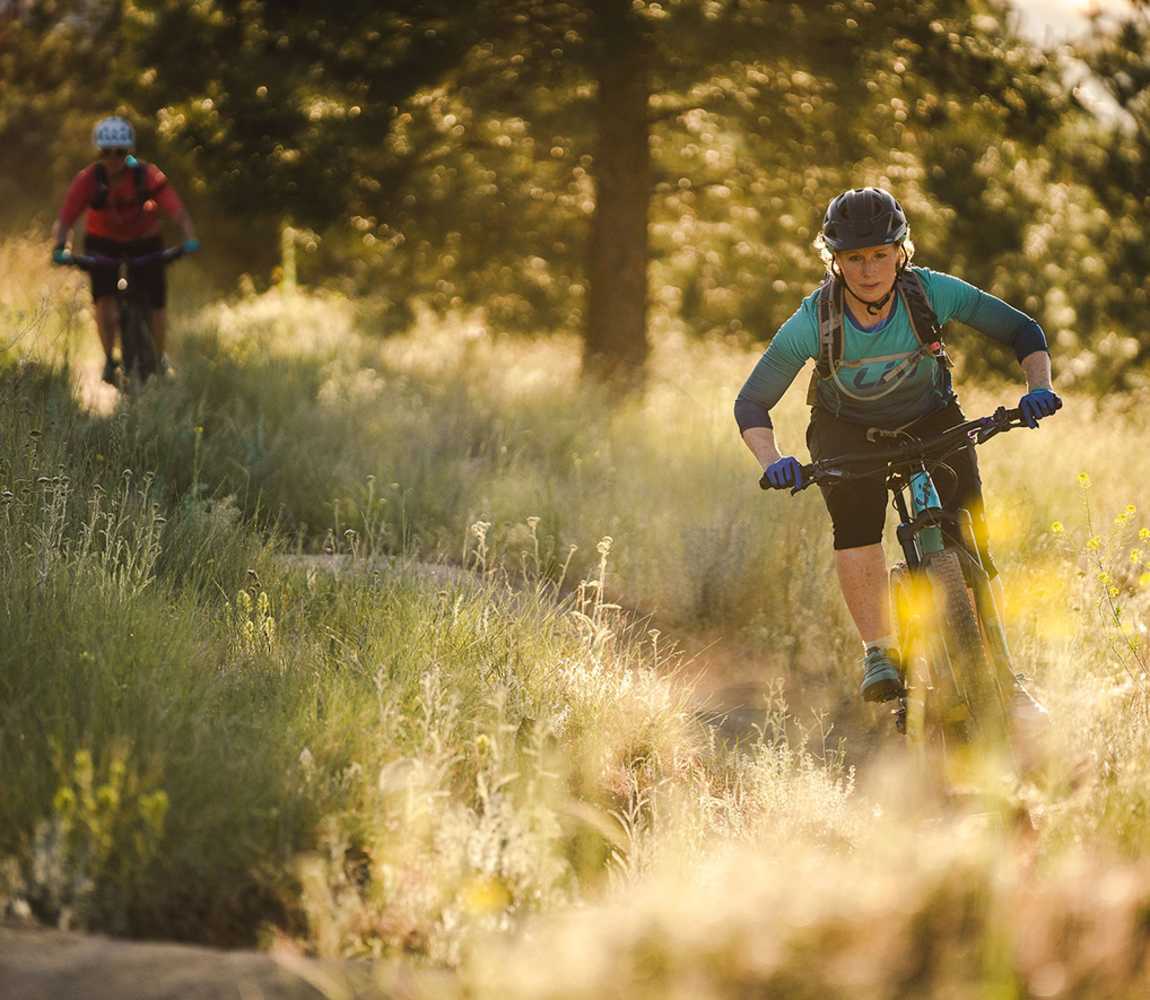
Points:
[(147, 278), (858, 507)]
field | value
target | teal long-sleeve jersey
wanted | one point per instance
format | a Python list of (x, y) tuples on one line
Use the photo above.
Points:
[(868, 353)]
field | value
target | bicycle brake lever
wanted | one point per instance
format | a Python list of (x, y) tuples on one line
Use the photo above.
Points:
[(809, 479), (989, 426)]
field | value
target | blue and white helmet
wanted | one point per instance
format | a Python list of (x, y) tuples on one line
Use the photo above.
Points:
[(114, 133)]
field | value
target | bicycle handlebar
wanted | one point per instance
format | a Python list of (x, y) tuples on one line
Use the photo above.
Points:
[(89, 262), (970, 432)]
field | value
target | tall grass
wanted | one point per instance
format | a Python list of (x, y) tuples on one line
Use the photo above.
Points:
[(474, 715), (203, 740), (409, 441)]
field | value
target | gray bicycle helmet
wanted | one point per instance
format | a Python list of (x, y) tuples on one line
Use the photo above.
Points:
[(864, 217)]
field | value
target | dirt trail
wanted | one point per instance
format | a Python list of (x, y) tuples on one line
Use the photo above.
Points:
[(731, 682), (38, 964)]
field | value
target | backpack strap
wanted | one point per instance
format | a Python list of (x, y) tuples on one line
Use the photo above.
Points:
[(140, 176), (923, 320), (830, 312), (100, 196), (99, 199), (924, 323)]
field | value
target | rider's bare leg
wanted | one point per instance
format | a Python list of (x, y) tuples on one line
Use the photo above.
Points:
[(107, 322), (160, 330), (866, 589)]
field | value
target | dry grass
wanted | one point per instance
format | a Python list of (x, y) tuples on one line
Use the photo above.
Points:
[(388, 764)]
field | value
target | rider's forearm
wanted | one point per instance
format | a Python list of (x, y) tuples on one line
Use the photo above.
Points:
[(60, 232), (1037, 368), (184, 221), (761, 441)]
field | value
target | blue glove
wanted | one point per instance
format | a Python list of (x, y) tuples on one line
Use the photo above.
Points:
[(1038, 403), (60, 255), (191, 246), (783, 473)]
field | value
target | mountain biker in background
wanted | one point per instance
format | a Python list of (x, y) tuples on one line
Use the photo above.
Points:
[(879, 374), (125, 199)]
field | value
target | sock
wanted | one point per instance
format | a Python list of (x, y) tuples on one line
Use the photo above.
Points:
[(882, 642)]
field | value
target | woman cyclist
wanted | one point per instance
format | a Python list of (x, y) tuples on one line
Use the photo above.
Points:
[(125, 200), (876, 378)]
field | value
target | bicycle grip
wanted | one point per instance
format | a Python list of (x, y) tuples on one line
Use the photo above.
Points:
[(806, 472)]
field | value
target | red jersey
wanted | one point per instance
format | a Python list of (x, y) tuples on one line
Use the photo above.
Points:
[(124, 216)]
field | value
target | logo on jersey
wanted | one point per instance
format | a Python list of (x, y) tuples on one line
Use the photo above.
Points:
[(870, 376)]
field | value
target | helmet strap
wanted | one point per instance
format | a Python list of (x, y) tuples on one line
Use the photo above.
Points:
[(875, 307)]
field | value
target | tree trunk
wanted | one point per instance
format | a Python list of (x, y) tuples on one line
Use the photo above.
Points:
[(615, 338)]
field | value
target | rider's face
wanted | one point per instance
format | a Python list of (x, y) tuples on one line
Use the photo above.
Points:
[(869, 273), (114, 159)]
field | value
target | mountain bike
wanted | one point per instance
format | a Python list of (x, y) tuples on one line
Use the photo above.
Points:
[(959, 677), (137, 349)]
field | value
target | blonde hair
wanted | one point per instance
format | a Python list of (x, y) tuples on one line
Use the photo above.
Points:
[(906, 245)]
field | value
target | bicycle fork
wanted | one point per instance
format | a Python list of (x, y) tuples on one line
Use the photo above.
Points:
[(990, 613), (917, 541)]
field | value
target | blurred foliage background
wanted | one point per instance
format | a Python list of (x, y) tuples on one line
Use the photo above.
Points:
[(615, 168)]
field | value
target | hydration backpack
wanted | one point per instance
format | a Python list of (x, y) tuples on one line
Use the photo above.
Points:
[(832, 316), (139, 170)]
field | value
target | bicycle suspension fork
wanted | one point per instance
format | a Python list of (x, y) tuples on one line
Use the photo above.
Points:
[(917, 541), (986, 599)]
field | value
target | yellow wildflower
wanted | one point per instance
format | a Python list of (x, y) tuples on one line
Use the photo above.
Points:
[(1056, 528), (1094, 543), (485, 894), (1084, 480), (1136, 556), (1144, 534)]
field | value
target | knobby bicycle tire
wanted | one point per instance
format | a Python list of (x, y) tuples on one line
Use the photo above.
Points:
[(928, 682), (949, 678), (967, 665), (915, 656), (136, 341)]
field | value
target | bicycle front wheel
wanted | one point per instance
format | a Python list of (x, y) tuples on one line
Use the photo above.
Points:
[(136, 341), (962, 662), (929, 694)]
